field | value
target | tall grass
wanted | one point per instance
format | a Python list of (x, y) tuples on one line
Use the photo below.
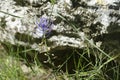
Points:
[(10, 68)]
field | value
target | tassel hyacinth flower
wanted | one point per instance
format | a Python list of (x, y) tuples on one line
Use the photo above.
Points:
[(44, 27)]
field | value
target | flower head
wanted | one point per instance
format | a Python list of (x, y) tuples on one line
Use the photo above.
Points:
[(44, 27)]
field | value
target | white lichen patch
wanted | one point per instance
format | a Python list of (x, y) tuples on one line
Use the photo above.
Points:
[(66, 41), (100, 2)]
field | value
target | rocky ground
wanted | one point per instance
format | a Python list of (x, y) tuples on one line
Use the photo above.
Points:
[(98, 20)]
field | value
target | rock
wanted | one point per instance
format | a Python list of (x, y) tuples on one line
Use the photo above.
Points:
[(90, 19)]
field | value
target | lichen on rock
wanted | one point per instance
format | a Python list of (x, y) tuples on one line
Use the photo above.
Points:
[(91, 19)]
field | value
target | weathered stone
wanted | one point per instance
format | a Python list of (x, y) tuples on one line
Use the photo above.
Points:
[(90, 18)]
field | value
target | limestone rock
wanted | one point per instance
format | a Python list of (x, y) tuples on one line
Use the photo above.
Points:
[(92, 19)]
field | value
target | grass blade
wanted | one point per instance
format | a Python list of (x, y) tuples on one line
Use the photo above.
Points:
[(10, 14)]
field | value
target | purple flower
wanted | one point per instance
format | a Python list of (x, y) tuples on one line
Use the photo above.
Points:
[(44, 26)]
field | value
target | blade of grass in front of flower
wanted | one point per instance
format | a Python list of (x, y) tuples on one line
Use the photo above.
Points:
[(53, 1), (10, 14)]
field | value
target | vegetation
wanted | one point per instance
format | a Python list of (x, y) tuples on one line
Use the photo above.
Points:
[(90, 63)]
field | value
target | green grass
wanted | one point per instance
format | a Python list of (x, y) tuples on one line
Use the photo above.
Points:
[(91, 64), (10, 69)]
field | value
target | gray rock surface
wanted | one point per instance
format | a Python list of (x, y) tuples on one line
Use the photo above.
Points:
[(91, 18), (15, 27)]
